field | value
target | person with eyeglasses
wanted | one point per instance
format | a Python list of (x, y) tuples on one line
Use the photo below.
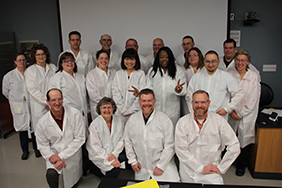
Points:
[(225, 92), (149, 142), (194, 62), (187, 44), (60, 134), (106, 43), (244, 117), (199, 139), (127, 83), (168, 82), (144, 62), (72, 85), (106, 140), (14, 89), (37, 77), (227, 62), (157, 44), (83, 58), (99, 81)]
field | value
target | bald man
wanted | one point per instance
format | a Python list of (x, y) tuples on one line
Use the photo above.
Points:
[(157, 44)]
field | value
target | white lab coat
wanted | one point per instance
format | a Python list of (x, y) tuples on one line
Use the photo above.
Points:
[(197, 148), (84, 61), (168, 101), (66, 143), (102, 142), (99, 85), (126, 102), (180, 60), (36, 80), (14, 89), (151, 145), (151, 58), (221, 86), (74, 91), (231, 66), (248, 108)]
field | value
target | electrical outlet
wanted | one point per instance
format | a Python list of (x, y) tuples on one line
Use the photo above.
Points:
[(232, 16)]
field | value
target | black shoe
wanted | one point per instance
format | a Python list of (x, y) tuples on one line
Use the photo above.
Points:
[(25, 155), (240, 172), (37, 153)]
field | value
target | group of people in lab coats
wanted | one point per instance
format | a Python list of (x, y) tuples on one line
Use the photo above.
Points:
[(84, 86)]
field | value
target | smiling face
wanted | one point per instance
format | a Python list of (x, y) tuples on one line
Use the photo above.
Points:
[(163, 58), (211, 63), (201, 104), (106, 110), (68, 64), (103, 61), (241, 62), (157, 44), (20, 62), (74, 42), (129, 63), (193, 58), (131, 44), (147, 103), (187, 44), (40, 57), (106, 42), (229, 50), (56, 101)]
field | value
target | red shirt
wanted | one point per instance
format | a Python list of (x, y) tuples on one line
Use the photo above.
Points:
[(59, 121)]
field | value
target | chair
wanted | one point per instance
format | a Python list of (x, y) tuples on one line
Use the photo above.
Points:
[(266, 95)]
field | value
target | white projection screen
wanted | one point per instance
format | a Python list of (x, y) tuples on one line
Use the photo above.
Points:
[(144, 20)]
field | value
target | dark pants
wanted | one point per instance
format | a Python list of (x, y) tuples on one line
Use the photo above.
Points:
[(242, 159), (114, 173), (52, 178), (24, 141)]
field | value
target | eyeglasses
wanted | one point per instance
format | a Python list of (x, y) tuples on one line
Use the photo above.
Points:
[(214, 61), (73, 40), (158, 44), (241, 60), (193, 55), (131, 45), (228, 48), (54, 100), (68, 61), (108, 40), (202, 102), (150, 100), (106, 107), (37, 55), (101, 58), (188, 43), (163, 57), (19, 60)]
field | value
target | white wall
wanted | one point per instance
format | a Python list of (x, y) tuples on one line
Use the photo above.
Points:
[(145, 20)]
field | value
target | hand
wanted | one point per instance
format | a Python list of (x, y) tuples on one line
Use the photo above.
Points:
[(60, 164), (116, 164), (234, 115), (179, 87), (54, 158), (221, 112), (112, 157), (157, 171), (211, 169), (135, 91), (136, 168)]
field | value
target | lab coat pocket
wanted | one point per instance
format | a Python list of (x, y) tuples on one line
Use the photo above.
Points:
[(18, 108)]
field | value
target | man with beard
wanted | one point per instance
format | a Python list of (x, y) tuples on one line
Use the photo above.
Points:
[(199, 139), (224, 90), (84, 60), (149, 142), (106, 43)]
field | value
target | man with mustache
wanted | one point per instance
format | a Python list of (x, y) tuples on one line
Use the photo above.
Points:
[(199, 139), (149, 142), (106, 43), (224, 90)]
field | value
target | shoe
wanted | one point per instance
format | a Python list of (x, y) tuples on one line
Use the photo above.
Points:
[(25, 155), (37, 153), (240, 172)]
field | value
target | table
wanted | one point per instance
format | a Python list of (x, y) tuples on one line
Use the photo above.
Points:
[(266, 154)]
